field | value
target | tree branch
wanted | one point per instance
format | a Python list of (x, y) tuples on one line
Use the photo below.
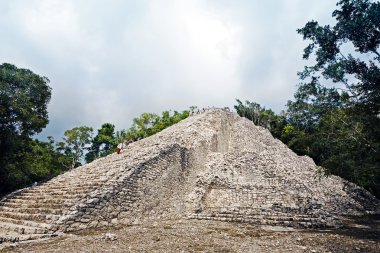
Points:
[(377, 53), (367, 143)]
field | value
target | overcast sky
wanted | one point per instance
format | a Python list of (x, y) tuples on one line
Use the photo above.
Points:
[(109, 61)]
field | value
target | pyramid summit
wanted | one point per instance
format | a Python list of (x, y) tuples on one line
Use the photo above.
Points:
[(213, 166)]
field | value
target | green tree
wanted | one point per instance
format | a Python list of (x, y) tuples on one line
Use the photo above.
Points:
[(106, 140), (74, 144), (37, 161), (357, 27), (24, 96), (104, 143), (261, 116), (337, 105), (149, 123), (142, 126)]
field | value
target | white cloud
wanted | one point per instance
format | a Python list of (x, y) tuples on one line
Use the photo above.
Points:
[(109, 61)]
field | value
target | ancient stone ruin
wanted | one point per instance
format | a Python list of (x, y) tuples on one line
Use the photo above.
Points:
[(213, 166)]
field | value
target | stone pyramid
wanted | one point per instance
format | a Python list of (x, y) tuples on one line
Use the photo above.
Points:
[(213, 166)]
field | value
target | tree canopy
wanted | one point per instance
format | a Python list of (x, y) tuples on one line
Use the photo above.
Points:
[(24, 97), (149, 123), (335, 114), (75, 143), (348, 53), (103, 143), (342, 115)]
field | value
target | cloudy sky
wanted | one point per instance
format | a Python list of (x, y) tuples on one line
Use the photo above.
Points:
[(109, 61)]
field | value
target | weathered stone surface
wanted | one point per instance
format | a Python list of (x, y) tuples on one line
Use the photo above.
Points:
[(110, 237), (213, 166)]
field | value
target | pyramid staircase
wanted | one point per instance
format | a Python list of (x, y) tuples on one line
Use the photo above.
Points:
[(211, 166), (34, 212)]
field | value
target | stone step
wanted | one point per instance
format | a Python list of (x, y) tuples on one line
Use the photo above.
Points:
[(31, 210), (58, 192), (44, 197), (23, 229), (284, 220), (73, 184), (64, 187), (28, 223), (47, 205), (260, 216), (27, 216), (24, 237), (99, 179), (102, 169), (79, 177), (51, 196), (40, 202)]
